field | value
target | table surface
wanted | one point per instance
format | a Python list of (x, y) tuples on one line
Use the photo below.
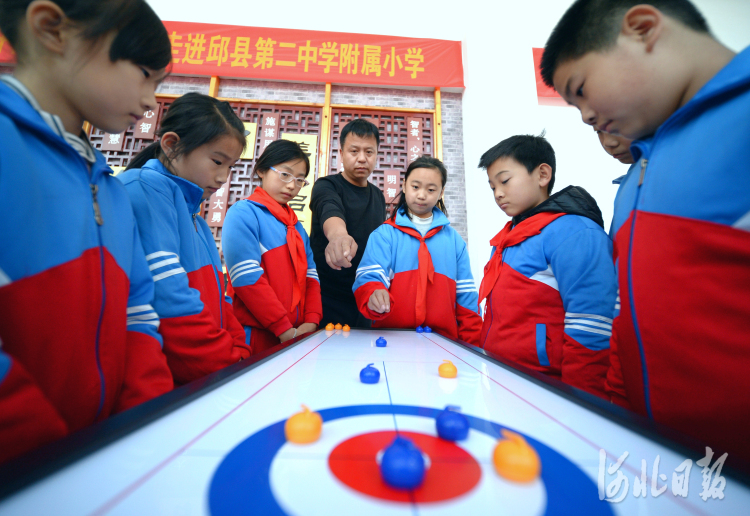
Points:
[(224, 452)]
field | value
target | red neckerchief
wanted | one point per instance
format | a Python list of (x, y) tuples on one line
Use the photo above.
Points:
[(426, 269), (507, 238), (286, 216)]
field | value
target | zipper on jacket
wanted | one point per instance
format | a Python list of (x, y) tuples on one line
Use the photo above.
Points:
[(644, 371), (489, 328), (219, 283), (489, 303), (97, 211), (100, 222), (644, 163)]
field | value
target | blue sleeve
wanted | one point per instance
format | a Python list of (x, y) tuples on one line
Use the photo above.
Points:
[(582, 265), (240, 241), (156, 214), (141, 316), (377, 262), (467, 294), (312, 272)]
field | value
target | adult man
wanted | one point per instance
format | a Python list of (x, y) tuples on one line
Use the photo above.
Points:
[(346, 208)]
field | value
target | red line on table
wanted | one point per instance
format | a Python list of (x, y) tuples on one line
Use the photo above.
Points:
[(142, 480), (630, 468)]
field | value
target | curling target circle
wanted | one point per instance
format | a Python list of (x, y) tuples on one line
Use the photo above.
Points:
[(264, 474)]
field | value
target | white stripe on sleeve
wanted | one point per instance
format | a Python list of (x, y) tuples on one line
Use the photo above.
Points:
[(241, 264), (163, 263), (167, 274), (588, 329), (158, 254)]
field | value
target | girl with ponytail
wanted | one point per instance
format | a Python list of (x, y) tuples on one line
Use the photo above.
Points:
[(415, 270), (199, 141)]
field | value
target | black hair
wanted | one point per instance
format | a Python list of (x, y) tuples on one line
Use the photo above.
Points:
[(359, 127), (528, 150), (141, 36), (197, 119), (281, 151), (593, 26), (422, 162)]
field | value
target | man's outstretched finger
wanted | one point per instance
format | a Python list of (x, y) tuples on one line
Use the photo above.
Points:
[(330, 260)]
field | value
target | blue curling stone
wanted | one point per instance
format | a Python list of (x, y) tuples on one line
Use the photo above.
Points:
[(420, 329), (369, 374), (381, 342), (402, 465), (452, 425), (427, 329)]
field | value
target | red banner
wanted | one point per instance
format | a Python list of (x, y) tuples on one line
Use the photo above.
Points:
[(313, 56), (308, 56), (546, 96)]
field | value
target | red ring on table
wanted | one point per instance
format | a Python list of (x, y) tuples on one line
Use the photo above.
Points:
[(453, 471)]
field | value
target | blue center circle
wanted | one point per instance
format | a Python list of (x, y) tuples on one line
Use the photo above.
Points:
[(242, 482)]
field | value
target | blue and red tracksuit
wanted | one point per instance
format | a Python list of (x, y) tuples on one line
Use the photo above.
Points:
[(79, 334), (428, 278), (681, 344), (550, 308), (201, 334), (261, 275)]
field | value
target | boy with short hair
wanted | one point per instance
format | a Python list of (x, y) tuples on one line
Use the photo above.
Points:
[(654, 73), (550, 283)]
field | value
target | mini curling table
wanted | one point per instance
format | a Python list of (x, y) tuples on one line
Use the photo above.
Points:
[(217, 446)]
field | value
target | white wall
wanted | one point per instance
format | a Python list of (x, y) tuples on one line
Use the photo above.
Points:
[(500, 98)]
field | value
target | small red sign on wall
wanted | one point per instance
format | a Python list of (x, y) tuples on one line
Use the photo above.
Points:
[(113, 142), (269, 130), (414, 138), (145, 128), (217, 207), (391, 184)]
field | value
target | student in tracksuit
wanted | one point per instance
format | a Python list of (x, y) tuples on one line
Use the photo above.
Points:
[(272, 275), (415, 270), (200, 139), (78, 332), (550, 283)]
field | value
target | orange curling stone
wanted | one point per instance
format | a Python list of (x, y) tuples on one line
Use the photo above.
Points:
[(346, 328), (515, 459), (338, 326), (303, 427), (329, 326), (447, 370)]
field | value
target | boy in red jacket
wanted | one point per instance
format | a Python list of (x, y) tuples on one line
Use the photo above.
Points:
[(653, 72), (550, 284)]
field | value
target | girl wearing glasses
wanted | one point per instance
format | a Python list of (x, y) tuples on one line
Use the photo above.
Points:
[(272, 278), (200, 139)]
